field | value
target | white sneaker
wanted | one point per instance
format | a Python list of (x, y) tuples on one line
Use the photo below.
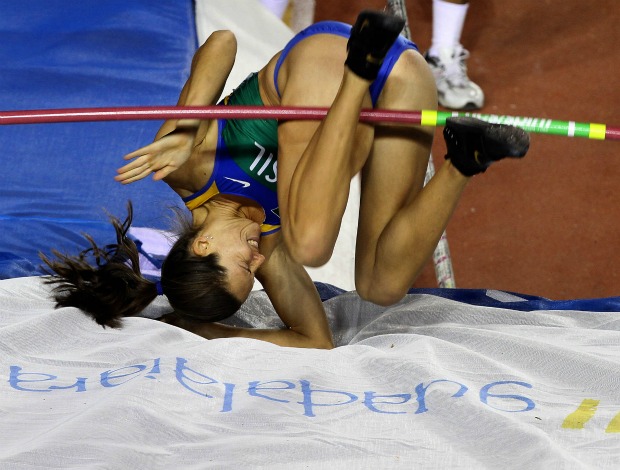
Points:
[(455, 89)]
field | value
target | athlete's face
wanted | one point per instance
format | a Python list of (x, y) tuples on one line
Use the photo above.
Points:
[(236, 241)]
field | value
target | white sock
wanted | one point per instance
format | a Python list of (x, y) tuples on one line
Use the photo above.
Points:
[(448, 21)]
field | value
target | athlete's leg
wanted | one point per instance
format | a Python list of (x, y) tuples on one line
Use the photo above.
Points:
[(317, 161), (401, 222), (398, 220)]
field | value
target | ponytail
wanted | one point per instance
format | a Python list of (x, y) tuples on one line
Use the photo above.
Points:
[(106, 283)]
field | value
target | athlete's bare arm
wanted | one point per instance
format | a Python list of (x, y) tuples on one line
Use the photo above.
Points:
[(176, 138)]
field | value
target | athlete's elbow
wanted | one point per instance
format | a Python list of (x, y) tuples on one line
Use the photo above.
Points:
[(224, 40), (319, 343), (325, 345), (224, 35)]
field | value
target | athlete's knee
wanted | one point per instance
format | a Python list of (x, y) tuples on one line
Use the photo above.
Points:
[(378, 293), (308, 250), (381, 296), (310, 255)]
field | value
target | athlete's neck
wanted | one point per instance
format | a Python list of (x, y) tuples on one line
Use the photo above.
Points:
[(227, 205)]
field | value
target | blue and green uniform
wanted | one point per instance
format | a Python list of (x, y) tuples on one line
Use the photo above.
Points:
[(246, 158), (344, 30)]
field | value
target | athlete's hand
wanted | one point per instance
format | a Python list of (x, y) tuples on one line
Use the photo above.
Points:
[(162, 157)]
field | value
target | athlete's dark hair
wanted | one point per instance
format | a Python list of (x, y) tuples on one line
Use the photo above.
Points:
[(106, 282)]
